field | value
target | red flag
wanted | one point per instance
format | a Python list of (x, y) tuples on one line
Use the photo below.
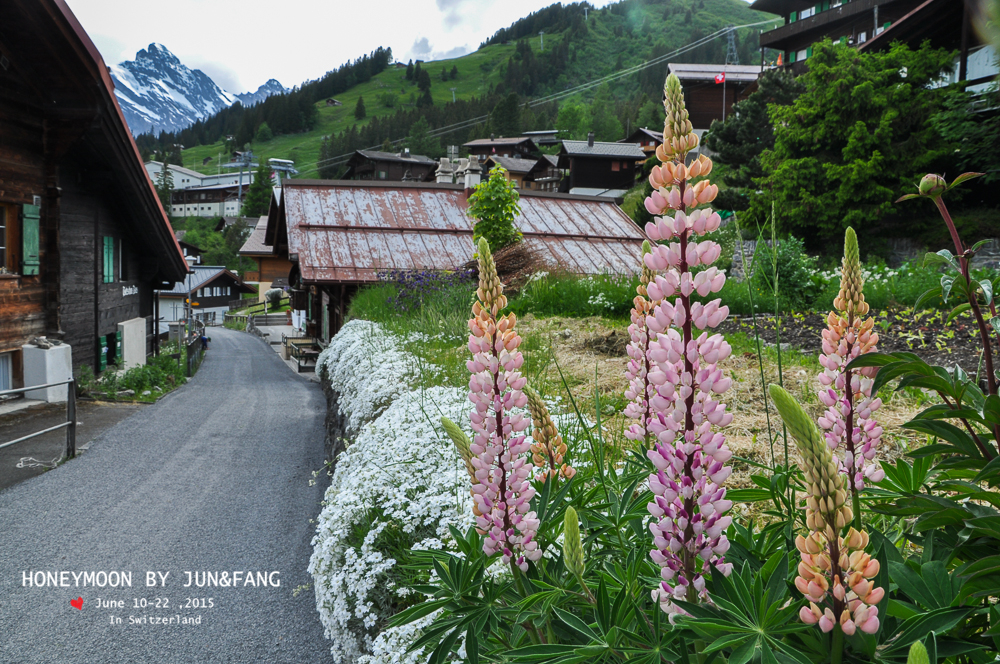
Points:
[(720, 78), (779, 59)]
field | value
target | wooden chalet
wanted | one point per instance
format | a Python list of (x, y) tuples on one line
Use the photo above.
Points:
[(536, 174), (598, 165), (705, 98), (84, 241), (339, 235), (269, 268), (391, 166), (212, 288), (522, 147), (646, 139)]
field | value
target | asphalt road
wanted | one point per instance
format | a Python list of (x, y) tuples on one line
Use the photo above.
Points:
[(213, 478)]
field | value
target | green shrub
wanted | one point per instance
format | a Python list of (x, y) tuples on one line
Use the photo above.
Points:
[(604, 295)]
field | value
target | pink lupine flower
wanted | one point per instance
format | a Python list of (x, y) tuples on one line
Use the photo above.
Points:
[(502, 465), (674, 380)]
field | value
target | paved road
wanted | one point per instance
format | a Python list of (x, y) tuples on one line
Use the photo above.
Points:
[(213, 478)]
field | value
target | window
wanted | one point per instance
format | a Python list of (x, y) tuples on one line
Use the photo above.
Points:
[(801, 55), (862, 37), (6, 371), (109, 259), (615, 166), (122, 263), (4, 222)]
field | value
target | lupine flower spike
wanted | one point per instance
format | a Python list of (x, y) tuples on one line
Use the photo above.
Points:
[(835, 573), (499, 449), (683, 378), (637, 372), (548, 449), (849, 420)]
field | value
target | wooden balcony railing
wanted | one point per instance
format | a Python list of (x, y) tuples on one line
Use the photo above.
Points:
[(849, 9)]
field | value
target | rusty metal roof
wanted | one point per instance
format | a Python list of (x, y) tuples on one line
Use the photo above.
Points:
[(348, 231)]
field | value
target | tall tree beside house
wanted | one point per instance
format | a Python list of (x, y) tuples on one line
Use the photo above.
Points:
[(494, 207), (165, 185), (858, 136), (409, 71), (258, 197), (359, 109), (746, 133), (505, 120), (420, 142)]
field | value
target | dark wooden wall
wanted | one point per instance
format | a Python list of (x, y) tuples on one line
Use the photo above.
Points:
[(272, 268), (596, 172)]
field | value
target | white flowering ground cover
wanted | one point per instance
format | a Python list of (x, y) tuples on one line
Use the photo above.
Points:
[(399, 484)]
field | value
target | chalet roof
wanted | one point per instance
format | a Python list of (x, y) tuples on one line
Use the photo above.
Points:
[(601, 149), (500, 142), (201, 275), (643, 133), (348, 231), (70, 86), (179, 169), (376, 155), (255, 245), (551, 158), (513, 164), (697, 72)]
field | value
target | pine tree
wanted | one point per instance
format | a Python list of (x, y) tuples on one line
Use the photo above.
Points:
[(416, 73), (258, 198), (165, 185), (359, 110), (444, 74), (454, 72), (409, 71), (424, 81), (506, 116), (419, 142), (425, 100), (387, 145)]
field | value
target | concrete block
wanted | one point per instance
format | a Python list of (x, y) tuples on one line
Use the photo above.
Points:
[(133, 342), (47, 365)]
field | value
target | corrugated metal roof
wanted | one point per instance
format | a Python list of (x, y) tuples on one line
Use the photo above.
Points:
[(255, 243), (514, 140), (601, 149), (513, 164), (395, 156), (350, 231)]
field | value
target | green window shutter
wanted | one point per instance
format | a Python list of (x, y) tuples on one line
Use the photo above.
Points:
[(793, 17), (109, 259), (887, 24), (31, 218), (842, 41), (791, 56), (825, 5), (809, 52)]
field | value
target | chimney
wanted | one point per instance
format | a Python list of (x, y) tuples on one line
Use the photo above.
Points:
[(492, 137), (406, 153), (590, 140), (445, 173), (471, 176)]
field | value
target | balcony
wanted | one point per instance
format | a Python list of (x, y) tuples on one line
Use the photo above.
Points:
[(822, 22)]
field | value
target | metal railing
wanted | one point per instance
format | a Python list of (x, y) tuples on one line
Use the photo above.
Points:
[(69, 424)]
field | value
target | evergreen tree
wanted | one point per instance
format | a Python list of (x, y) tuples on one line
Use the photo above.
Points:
[(258, 196), (387, 145), (165, 185), (505, 120), (359, 109), (444, 74), (416, 73), (604, 124), (572, 121), (263, 134), (409, 71), (419, 142), (423, 81), (454, 72), (425, 100)]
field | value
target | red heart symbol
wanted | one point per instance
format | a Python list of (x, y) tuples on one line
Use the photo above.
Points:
[(77, 603)]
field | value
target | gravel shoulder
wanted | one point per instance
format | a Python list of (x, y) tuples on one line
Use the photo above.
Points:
[(213, 478)]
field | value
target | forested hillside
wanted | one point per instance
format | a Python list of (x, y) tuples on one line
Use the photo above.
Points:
[(384, 102)]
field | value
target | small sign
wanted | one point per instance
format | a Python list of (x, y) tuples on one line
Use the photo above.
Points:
[(130, 290)]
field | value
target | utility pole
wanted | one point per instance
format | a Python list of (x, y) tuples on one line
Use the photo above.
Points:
[(453, 94), (542, 35), (585, 13), (732, 58)]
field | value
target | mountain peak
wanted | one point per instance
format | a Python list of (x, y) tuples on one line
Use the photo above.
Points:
[(157, 92)]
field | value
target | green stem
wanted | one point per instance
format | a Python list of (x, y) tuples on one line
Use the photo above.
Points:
[(837, 647), (699, 650)]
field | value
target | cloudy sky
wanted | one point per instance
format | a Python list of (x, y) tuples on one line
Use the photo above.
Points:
[(242, 44)]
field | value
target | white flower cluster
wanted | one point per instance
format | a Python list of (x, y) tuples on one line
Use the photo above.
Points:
[(400, 474), (600, 300)]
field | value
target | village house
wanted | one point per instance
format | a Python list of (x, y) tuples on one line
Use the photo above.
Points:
[(646, 139), (522, 147), (599, 168), (211, 288), (541, 174), (201, 195), (84, 241), (340, 235), (392, 166), (707, 97), (268, 268)]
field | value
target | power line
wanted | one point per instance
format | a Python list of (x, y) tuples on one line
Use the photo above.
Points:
[(652, 62)]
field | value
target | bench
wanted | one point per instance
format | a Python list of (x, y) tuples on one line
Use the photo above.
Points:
[(305, 353)]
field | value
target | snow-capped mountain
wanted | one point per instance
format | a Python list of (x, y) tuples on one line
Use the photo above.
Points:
[(158, 92), (272, 87)]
